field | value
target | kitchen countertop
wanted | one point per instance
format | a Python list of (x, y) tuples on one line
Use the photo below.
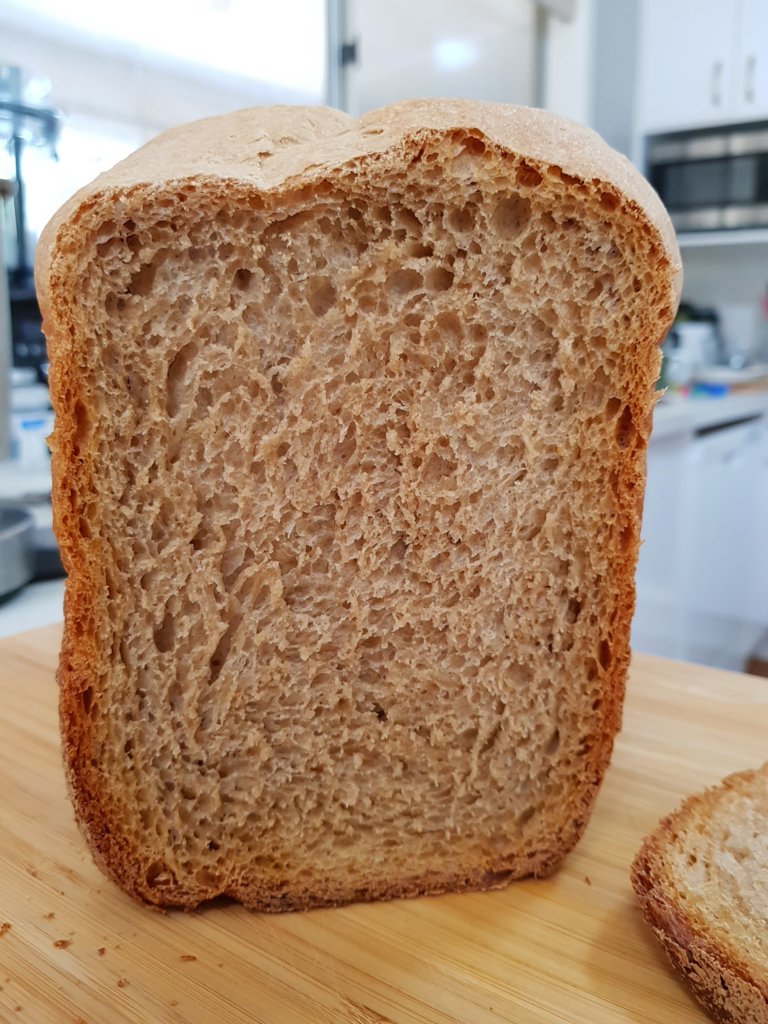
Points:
[(566, 950), (674, 415), (37, 604)]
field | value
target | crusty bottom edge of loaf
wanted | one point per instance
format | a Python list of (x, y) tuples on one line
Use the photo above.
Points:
[(262, 899), (111, 854), (724, 988)]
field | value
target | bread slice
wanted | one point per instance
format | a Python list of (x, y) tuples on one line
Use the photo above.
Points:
[(702, 881), (348, 469)]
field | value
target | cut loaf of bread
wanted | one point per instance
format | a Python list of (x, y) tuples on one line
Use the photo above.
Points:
[(702, 881), (348, 467)]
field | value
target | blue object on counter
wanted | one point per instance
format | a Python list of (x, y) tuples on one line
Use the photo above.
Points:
[(709, 390)]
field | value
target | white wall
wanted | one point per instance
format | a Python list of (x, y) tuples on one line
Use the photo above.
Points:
[(568, 55), (432, 48), (112, 99), (129, 88)]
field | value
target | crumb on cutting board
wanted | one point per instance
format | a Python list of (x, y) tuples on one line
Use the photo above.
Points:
[(5, 927), (187, 958), (101, 950), (587, 879), (49, 916), (62, 943), (122, 982)]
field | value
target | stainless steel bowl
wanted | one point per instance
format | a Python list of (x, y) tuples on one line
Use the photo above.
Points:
[(17, 532)]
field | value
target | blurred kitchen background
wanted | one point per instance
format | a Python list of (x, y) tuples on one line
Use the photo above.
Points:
[(680, 86)]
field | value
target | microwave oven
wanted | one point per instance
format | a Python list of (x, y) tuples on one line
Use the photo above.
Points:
[(712, 179)]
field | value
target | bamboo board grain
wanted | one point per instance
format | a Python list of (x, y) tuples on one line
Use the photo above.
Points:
[(571, 949)]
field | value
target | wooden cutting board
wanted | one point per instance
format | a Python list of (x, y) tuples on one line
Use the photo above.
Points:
[(568, 949)]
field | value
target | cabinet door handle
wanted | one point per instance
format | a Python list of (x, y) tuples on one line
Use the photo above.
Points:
[(749, 78), (715, 83)]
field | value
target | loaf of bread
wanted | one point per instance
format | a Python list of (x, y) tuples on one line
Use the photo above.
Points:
[(702, 882), (351, 419)]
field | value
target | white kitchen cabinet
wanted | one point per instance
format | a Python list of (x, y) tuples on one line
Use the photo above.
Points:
[(760, 537), (749, 80), (659, 625), (702, 62), (719, 546), (685, 62), (702, 575)]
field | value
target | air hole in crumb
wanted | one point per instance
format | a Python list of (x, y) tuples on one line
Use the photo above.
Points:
[(534, 527), (242, 278), (321, 295), (591, 668), (158, 874), (419, 251), (554, 743), (398, 550), (348, 445), (612, 407), (526, 816), (82, 423), (462, 221), (474, 145), (438, 279), (604, 654), (408, 220), (625, 428), (220, 655), (511, 216), (402, 282), (626, 537), (438, 468), (527, 175), (380, 712), (177, 372), (573, 610), (165, 634), (87, 698), (142, 281), (608, 201)]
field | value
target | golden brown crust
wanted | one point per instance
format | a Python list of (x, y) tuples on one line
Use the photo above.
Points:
[(279, 152), (277, 148), (720, 980)]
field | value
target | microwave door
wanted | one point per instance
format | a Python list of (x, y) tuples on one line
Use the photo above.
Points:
[(694, 192)]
